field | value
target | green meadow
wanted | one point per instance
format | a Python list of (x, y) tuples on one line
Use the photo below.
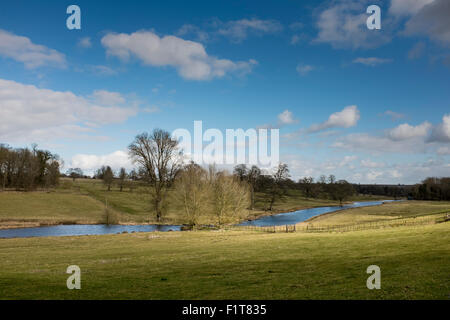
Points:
[(414, 262), (220, 264)]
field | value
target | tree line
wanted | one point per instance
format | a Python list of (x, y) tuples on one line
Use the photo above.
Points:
[(27, 169), (433, 189)]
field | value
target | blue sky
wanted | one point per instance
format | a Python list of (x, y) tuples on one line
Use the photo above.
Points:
[(369, 106)]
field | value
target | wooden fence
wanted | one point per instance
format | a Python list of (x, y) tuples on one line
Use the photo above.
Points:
[(307, 227)]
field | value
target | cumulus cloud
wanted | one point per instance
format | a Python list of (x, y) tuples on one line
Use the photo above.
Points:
[(89, 162), (346, 118), (28, 113), (441, 132), (364, 142), (188, 57), (32, 55), (406, 131), (343, 25), (371, 61), (304, 69), (286, 117), (239, 30)]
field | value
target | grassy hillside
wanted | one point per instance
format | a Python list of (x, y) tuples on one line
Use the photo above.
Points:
[(34, 208), (414, 262), (84, 201)]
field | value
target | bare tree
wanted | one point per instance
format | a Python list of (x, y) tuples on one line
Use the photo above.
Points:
[(108, 177), (241, 171), (158, 156), (192, 189), (251, 176), (230, 196), (277, 189), (122, 177)]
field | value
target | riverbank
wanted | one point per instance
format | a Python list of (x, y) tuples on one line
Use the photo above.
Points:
[(385, 212), (84, 202)]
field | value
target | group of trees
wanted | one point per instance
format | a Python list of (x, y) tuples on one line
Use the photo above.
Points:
[(211, 195), (276, 185), (392, 190), (203, 193), (273, 185), (326, 187), (28, 169), (432, 189)]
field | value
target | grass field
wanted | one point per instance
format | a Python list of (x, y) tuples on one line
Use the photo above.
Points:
[(414, 262), (387, 211), (34, 208), (84, 201)]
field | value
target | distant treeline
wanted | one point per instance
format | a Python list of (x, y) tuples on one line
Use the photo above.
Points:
[(28, 169), (433, 189), (390, 190)]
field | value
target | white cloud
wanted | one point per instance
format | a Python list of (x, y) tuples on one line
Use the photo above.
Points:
[(104, 97), (343, 25), (151, 109), (371, 164), (31, 55), (304, 69), (363, 142), (85, 42), (238, 30), (405, 131), (286, 117), (371, 61), (373, 175), (199, 34), (89, 163), (28, 113), (441, 132), (443, 150), (188, 57), (347, 160), (103, 70), (346, 118)]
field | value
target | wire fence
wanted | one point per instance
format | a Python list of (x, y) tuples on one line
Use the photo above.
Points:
[(308, 227)]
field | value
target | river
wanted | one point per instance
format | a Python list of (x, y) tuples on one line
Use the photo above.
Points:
[(287, 218)]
